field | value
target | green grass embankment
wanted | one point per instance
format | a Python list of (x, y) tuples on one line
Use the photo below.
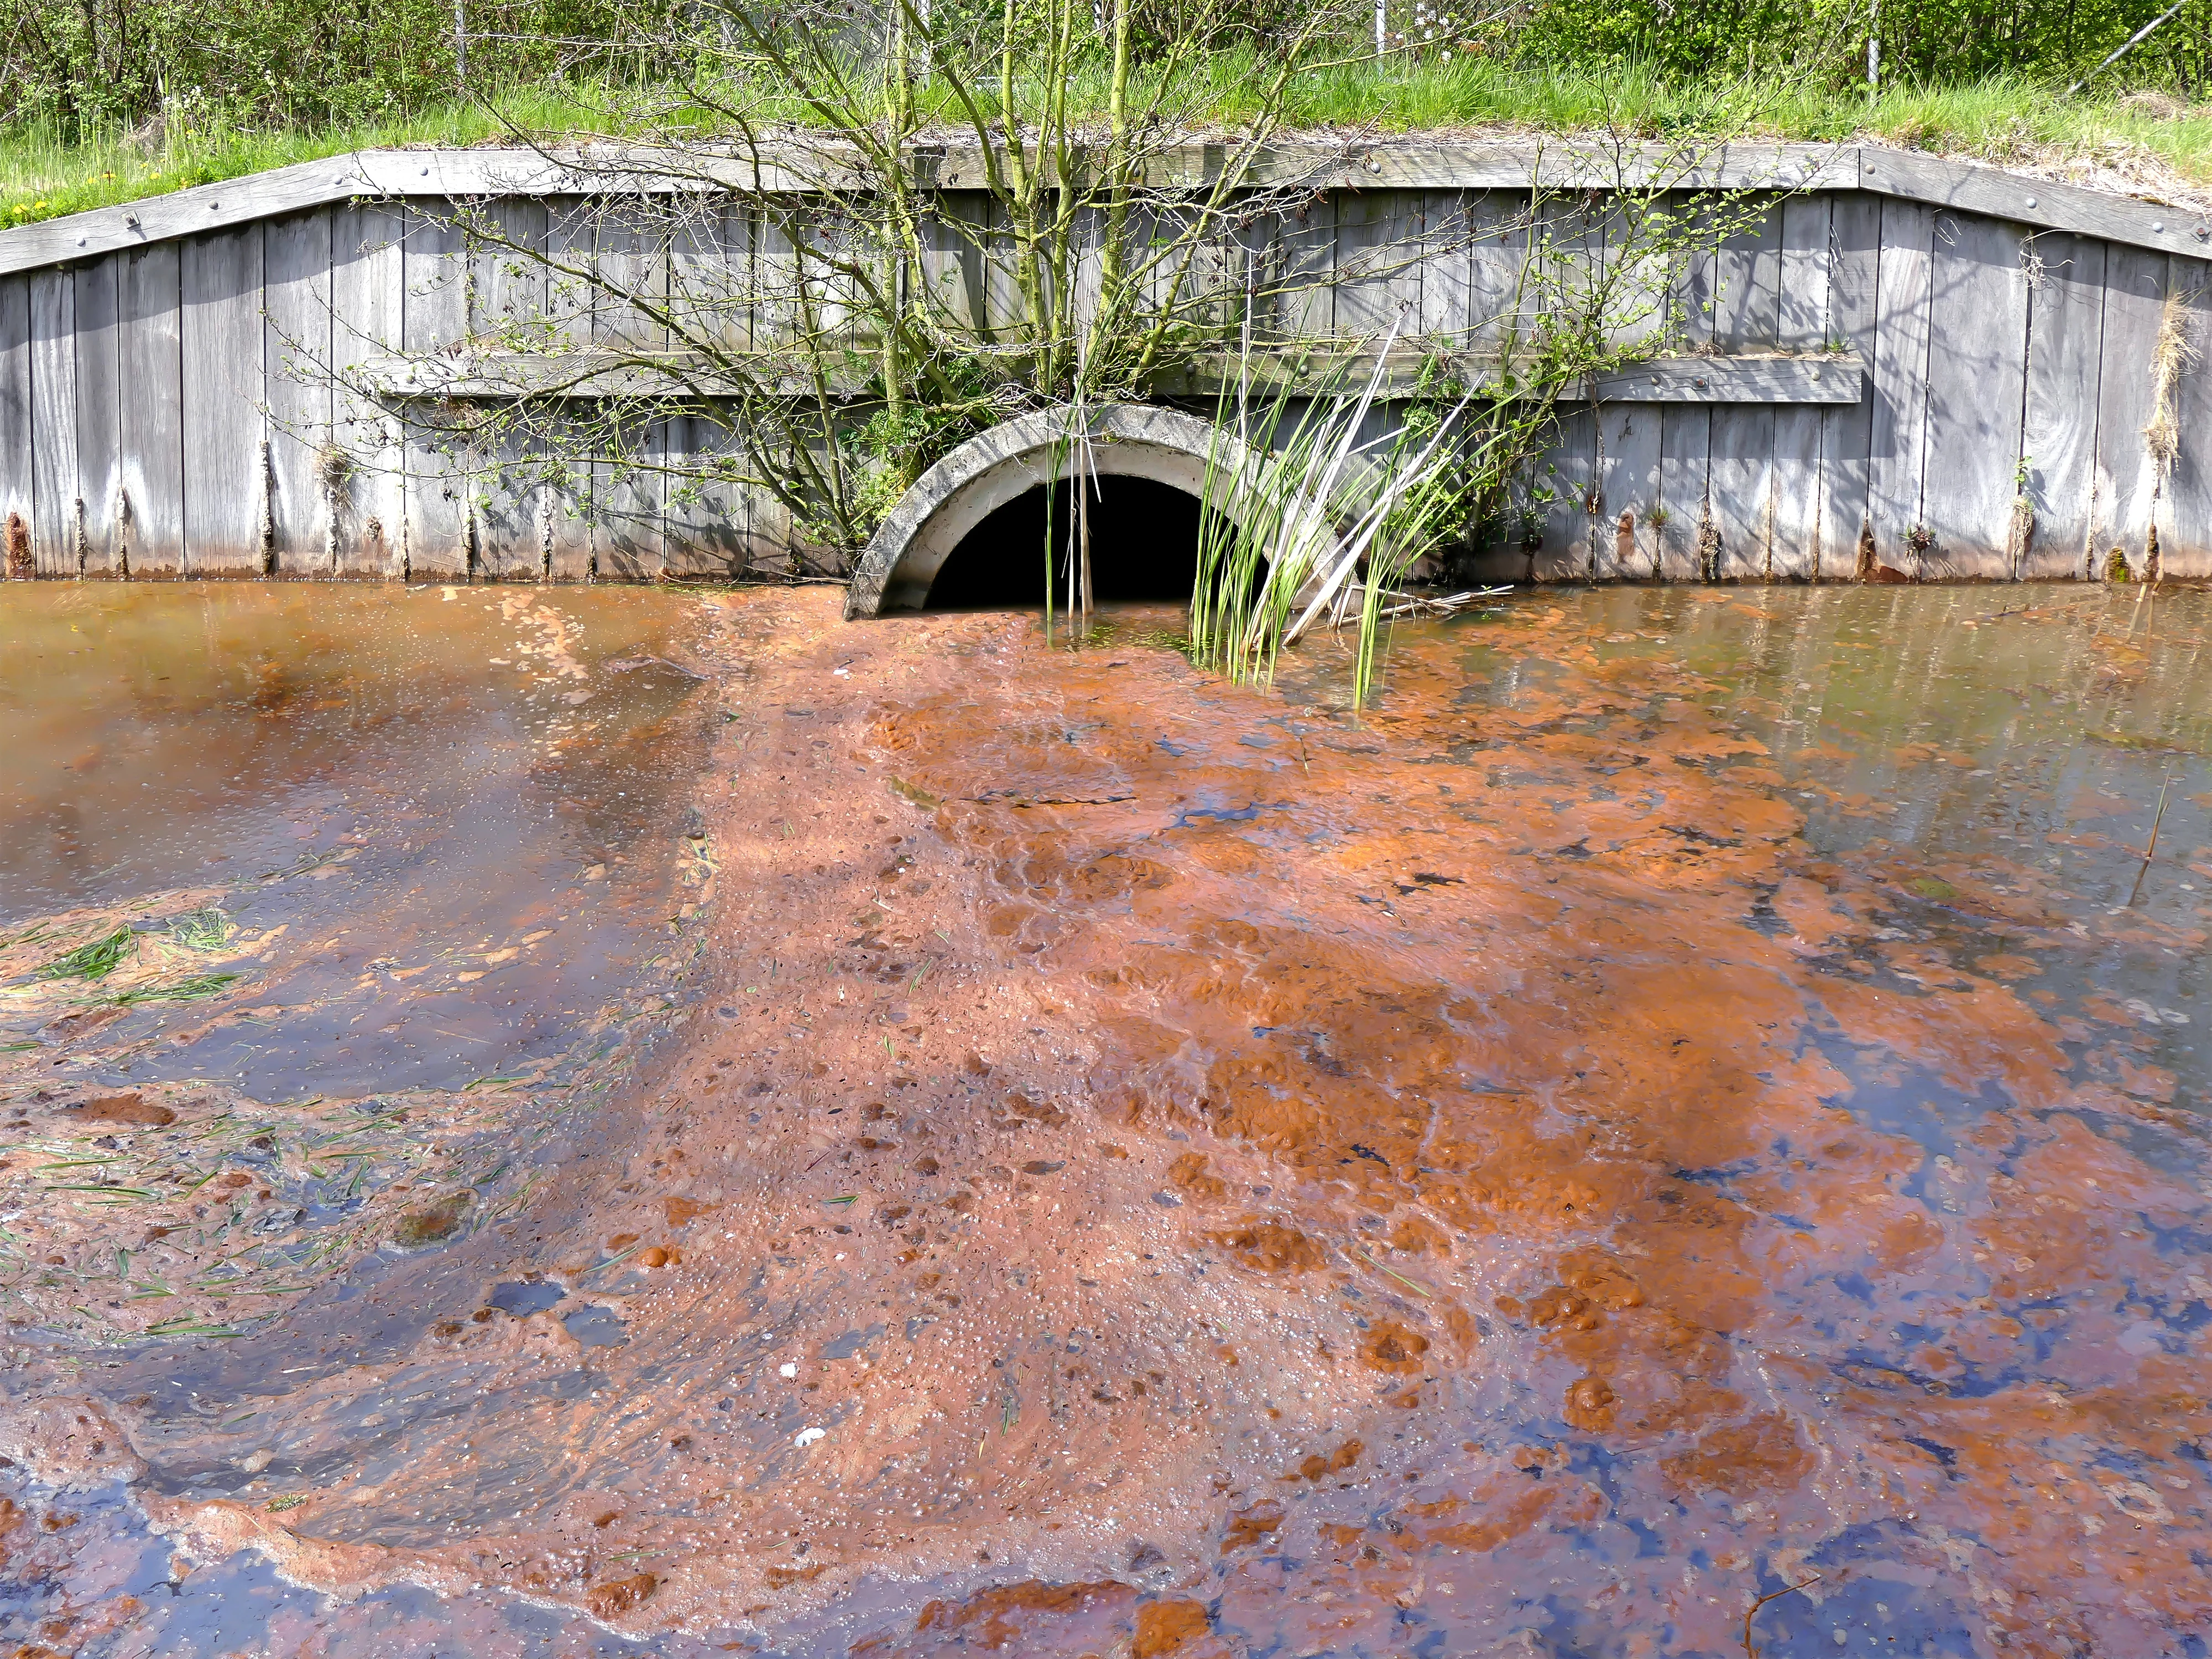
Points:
[(2146, 142)]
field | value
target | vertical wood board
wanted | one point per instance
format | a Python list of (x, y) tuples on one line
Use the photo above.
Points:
[(1743, 490), (53, 423), (1379, 237), (2065, 343), (1307, 303), (1498, 231), (1628, 481), (2127, 478), (2187, 527), (1847, 430), (1897, 442), (1565, 472), (226, 466), (15, 411), (1807, 259), (708, 519), (99, 413), (627, 504), (369, 293), (1796, 553), (1747, 290), (1977, 382), (153, 412), (1685, 444), (437, 445), (296, 362)]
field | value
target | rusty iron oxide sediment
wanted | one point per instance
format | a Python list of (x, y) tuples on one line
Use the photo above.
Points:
[(1675, 1102)]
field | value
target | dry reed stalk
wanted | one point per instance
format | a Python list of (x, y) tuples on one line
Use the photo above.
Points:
[(2171, 354), (2150, 851)]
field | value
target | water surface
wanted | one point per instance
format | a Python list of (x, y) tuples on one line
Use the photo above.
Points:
[(1696, 1096)]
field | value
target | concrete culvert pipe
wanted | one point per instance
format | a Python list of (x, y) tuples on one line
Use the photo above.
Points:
[(1152, 464)]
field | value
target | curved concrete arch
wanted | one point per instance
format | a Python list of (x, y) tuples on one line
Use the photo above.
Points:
[(980, 476)]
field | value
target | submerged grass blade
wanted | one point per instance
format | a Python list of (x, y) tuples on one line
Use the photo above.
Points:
[(94, 959), (195, 988), (204, 929)]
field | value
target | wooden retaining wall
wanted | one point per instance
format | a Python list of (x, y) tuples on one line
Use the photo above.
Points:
[(1960, 360)]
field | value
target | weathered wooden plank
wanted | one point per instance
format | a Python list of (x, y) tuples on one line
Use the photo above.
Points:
[(153, 413), (1807, 262), (1686, 446), (1628, 481), (296, 360), (206, 208), (1794, 553), (1002, 307), (1497, 258), (2065, 341), (507, 275), (1970, 187), (226, 454), (1637, 301), (1446, 268), (1747, 289), (1565, 473), (707, 516), (1378, 273), (2127, 480), (1809, 253), (770, 541), (506, 303), (628, 502), (570, 269), (710, 281), (1977, 381), (56, 542), (566, 506), (633, 267), (1742, 491), (1203, 276), (1847, 433), (440, 462), (1693, 283), (1307, 304), (15, 493), (951, 265), (1401, 165), (1899, 439), (2185, 530), (100, 415), (1836, 379), (1566, 258), (368, 291)]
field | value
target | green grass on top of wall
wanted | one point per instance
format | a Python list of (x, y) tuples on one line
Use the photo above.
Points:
[(2154, 142)]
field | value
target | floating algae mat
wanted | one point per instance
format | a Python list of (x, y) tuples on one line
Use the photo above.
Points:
[(1689, 1108)]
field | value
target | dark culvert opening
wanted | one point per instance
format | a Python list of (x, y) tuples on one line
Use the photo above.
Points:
[(1144, 545)]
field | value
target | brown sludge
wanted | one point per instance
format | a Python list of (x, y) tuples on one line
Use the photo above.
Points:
[(1159, 1168)]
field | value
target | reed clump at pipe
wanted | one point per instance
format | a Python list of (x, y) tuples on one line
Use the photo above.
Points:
[(1354, 492)]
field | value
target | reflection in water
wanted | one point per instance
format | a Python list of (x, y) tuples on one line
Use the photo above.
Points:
[(1696, 1093)]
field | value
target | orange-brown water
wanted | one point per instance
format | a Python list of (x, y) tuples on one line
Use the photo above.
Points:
[(1684, 1098)]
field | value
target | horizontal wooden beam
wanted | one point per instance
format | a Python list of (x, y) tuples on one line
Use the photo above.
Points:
[(1748, 378), (1837, 377), (1970, 187), (1396, 164)]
